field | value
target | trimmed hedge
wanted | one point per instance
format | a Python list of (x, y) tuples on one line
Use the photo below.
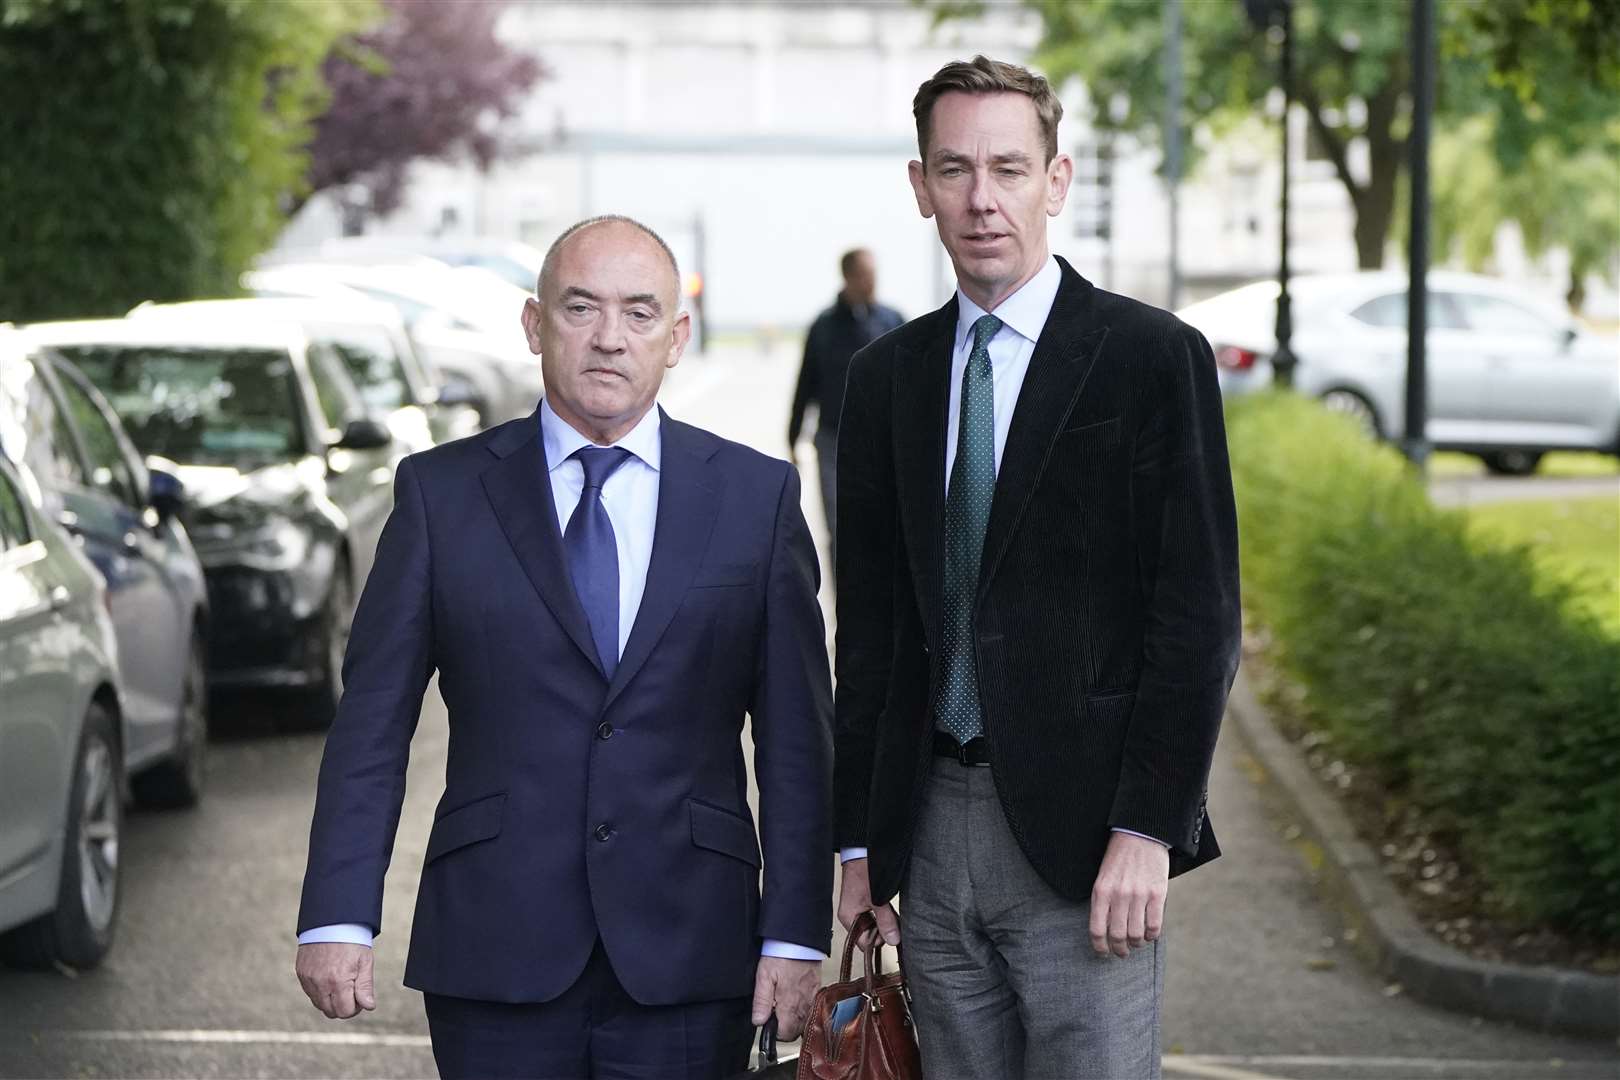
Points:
[(1445, 664)]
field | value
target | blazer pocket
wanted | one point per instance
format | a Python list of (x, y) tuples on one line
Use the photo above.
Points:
[(725, 832), (724, 575), (479, 820), (1097, 429)]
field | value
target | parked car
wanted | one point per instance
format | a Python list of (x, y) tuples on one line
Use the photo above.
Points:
[(126, 518), (290, 480), (466, 322), (61, 740), (370, 338), (1509, 378), (511, 260)]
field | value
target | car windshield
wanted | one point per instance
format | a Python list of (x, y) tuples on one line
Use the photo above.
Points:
[(199, 406), (370, 359)]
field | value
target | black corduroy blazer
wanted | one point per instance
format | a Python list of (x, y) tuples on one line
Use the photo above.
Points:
[(1107, 620)]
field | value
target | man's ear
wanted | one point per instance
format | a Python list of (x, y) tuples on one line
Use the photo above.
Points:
[(682, 334), (531, 323), (919, 188), (1059, 175)]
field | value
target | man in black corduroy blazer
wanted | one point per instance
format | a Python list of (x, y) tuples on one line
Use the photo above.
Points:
[(1038, 618)]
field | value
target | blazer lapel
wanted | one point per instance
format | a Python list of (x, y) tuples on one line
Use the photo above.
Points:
[(922, 396), (689, 491), (1057, 374), (519, 488)]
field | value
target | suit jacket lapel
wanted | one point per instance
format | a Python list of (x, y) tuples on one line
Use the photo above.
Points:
[(519, 488), (1057, 374), (922, 396), (689, 491)]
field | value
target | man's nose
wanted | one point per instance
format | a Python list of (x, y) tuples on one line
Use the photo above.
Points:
[(982, 198), (609, 337)]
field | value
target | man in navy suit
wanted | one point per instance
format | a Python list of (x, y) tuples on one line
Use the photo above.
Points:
[(604, 593)]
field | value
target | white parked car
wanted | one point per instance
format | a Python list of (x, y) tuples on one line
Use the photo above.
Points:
[(1510, 378), (466, 322)]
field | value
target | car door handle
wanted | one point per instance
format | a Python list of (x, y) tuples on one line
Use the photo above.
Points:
[(69, 521), (60, 597), (132, 544)]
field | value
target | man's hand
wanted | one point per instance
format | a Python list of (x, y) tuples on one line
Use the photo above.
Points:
[(855, 896), (786, 987), (337, 977), (1127, 902)]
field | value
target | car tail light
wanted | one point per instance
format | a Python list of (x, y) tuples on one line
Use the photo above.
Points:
[(1233, 358)]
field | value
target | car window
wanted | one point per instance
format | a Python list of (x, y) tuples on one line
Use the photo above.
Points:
[(372, 364), (14, 530), (109, 470), (200, 405), (337, 395), (1493, 315), (33, 430), (1389, 312)]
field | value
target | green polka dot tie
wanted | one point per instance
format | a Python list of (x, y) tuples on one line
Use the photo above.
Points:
[(967, 514)]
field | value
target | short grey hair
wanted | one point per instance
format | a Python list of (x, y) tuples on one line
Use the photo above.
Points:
[(550, 263)]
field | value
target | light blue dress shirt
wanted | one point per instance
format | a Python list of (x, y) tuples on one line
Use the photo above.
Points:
[(1023, 317), (631, 499)]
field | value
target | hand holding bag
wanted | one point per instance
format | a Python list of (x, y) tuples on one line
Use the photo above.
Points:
[(861, 1029)]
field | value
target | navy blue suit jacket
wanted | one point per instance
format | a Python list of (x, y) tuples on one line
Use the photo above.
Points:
[(575, 806)]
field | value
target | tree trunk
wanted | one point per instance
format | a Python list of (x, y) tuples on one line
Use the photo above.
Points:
[(1375, 208)]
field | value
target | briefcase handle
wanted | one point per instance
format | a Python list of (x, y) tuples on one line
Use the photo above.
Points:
[(767, 1043), (873, 949)]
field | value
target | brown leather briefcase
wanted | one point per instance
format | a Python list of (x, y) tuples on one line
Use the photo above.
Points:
[(861, 1029)]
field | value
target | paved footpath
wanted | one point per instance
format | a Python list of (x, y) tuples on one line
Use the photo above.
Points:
[(1260, 984)]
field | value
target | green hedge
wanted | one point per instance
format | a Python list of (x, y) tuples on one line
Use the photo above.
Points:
[(1463, 679), (147, 147)]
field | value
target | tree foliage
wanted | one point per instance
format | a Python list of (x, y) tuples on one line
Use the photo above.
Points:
[(149, 144), (1507, 58), (432, 81)]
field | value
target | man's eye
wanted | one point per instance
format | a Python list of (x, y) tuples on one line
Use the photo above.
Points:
[(953, 171), (641, 316), (577, 309)]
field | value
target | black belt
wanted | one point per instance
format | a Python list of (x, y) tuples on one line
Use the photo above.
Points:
[(975, 752)]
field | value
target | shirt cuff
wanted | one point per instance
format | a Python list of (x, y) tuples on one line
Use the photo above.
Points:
[(1144, 836), (345, 933), (789, 951), (849, 853)]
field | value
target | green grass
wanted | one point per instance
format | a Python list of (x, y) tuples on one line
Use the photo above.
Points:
[(1575, 539), (1447, 463)]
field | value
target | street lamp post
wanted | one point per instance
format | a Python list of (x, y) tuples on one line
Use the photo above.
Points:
[(1264, 13), (1415, 442)]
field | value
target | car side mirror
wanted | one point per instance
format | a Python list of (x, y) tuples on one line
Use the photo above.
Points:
[(166, 492), (1567, 338), (363, 433)]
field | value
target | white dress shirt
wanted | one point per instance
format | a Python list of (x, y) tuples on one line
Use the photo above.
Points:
[(630, 496), (1023, 317)]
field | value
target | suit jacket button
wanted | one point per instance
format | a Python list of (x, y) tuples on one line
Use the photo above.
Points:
[(604, 730), (604, 832)]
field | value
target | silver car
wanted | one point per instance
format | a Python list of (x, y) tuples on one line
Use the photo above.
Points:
[(61, 759), (1509, 378)]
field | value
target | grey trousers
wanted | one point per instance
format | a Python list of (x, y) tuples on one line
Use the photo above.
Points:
[(1003, 978), (827, 463)]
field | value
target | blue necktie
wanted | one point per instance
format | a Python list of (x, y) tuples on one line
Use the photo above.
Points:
[(593, 554), (967, 515)]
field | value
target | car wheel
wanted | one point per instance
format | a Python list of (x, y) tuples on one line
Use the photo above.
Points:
[(179, 781), (1511, 462), (1351, 404), (337, 617), (79, 932)]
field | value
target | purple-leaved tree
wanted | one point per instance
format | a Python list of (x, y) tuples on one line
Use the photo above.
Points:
[(430, 81)]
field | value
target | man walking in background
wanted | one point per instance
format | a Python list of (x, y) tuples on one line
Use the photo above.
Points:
[(1037, 618), (854, 321), (604, 593)]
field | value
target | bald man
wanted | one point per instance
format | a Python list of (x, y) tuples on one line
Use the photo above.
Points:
[(604, 592)]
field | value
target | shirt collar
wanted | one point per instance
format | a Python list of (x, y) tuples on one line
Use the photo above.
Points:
[(1024, 312), (561, 440)]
